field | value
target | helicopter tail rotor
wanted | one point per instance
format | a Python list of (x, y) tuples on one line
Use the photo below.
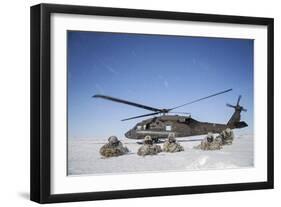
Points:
[(234, 121), (237, 107)]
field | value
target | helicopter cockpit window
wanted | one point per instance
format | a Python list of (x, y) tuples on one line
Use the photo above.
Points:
[(168, 128), (139, 127)]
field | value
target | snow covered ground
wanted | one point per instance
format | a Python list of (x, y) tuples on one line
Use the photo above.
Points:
[(84, 157)]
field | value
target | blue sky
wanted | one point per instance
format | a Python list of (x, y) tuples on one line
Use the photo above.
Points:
[(159, 71)]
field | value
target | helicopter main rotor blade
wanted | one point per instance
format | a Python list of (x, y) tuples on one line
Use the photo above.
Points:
[(135, 117), (200, 99), (127, 102)]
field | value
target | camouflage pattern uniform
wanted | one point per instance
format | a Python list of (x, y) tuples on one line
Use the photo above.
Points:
[(209, 143), (171, 144), (113, 148), (226, 137), (148, 147)]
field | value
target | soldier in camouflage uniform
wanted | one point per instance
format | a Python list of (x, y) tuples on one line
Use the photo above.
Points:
[(226, 137), (113, 148), (148, 147), (209, 143), (171, 144)]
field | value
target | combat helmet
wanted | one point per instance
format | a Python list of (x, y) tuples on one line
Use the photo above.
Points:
[(228, 130), (147, 140), (210, 137), (171, 137), (113, 140)]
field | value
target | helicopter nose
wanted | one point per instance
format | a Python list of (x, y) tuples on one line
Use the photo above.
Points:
[(128, 134)]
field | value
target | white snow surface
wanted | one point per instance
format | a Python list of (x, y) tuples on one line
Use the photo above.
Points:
[(84, 157)]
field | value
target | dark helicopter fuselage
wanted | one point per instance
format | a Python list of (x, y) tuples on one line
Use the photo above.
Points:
[(182, 126)]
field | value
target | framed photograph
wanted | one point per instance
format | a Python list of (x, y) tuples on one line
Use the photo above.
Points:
[(132, 103)]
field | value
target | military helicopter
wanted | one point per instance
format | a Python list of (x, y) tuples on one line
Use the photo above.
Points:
[(158, 127)]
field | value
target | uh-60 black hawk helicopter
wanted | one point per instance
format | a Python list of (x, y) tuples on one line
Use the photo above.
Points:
[(159, 127)]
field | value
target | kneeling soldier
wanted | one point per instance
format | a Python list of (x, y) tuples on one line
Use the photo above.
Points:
[(148, 147), (113, 148), (209, 143), (227, 136), (171, 145)]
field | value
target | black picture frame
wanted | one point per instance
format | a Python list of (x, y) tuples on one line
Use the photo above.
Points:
[(40, 184)]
